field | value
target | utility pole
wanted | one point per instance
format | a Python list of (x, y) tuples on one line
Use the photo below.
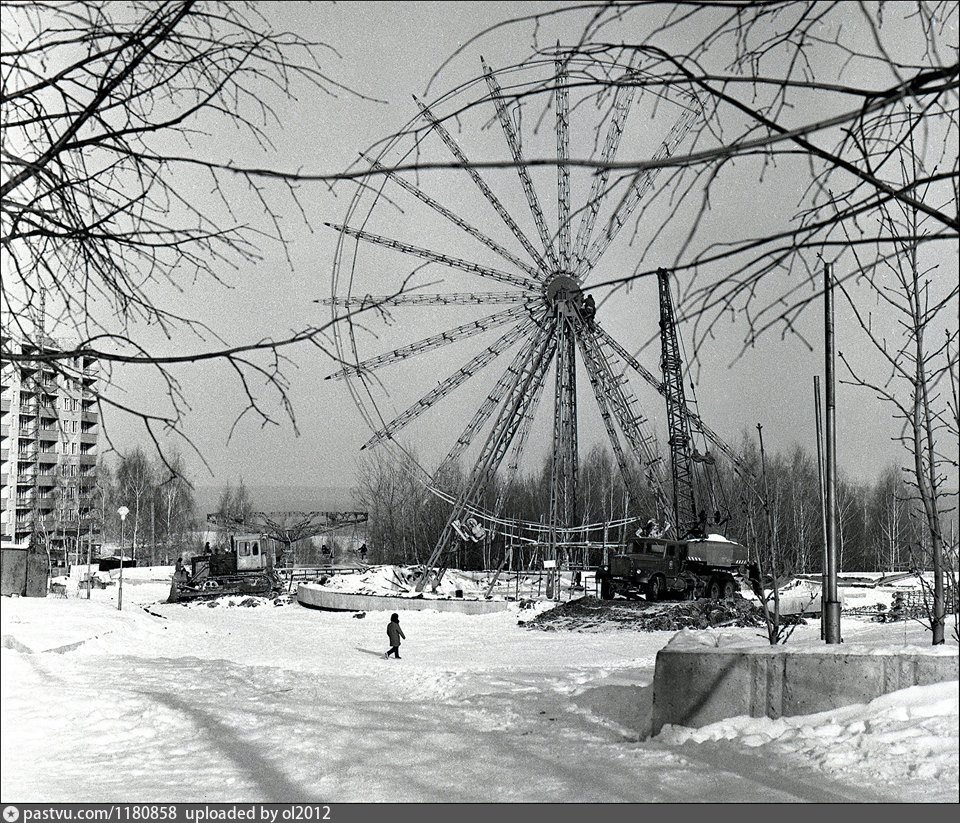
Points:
[(831, 604)]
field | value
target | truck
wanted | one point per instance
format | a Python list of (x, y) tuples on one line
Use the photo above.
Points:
[(658, 568), (700, 563)]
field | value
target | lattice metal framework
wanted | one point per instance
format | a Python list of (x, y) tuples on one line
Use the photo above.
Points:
[(289, 527), (549, 325)]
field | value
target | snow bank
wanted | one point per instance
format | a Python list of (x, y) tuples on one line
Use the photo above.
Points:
[(908, 735)]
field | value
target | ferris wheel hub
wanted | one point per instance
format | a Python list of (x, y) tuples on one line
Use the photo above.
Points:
[(564, 293)]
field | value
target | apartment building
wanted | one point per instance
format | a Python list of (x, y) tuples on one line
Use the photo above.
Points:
[(49, 422)]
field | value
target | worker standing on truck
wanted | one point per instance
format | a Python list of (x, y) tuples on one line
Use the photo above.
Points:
[(394, 632)]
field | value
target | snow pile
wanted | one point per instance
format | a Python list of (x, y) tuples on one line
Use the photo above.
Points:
[(904, 736), (401, 581)]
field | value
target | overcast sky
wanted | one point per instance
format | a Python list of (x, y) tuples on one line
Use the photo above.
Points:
[(388, 51)]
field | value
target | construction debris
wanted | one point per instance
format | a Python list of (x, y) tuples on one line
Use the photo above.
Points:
[(591, 614)]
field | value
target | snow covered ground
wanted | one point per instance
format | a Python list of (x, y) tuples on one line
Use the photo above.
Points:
[(282, 703)]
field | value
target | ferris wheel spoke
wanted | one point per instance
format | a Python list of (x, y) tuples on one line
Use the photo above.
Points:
[(513, 412), (487, 192), (481, 298), (436, 341), (437, 257), (454, 218), (513, 143), (694, 419), (490, 403), (622, 100), (563, 170), (641, 185), (520, 444), (445, 387), (606, 415), (631, 421), (522, 390)]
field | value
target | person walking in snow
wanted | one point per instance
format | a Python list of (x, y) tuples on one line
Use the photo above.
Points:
[(394, 632)]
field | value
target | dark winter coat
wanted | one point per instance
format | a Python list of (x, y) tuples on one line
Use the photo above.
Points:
[(394, 632)]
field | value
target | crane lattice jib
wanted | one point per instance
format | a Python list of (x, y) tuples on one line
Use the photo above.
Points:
[(678, 425)]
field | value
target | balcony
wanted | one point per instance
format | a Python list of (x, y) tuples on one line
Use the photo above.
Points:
[(49, 457), (4, 405), (42, 480), (88, 460), (90, 438), (90, 416)]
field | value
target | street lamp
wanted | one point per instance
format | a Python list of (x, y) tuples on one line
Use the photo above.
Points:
[(123, 511)]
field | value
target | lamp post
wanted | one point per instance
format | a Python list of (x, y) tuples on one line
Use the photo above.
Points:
[(123, 511)]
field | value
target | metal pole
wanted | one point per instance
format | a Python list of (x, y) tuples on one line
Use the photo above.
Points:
[(832, 605), (818, 415), (89, 553)]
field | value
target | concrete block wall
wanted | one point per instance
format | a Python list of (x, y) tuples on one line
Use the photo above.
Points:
[(696, 686)]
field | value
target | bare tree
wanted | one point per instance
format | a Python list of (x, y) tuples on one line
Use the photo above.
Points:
[(917, 361), (135, 486), (104, 109), (176, 502)]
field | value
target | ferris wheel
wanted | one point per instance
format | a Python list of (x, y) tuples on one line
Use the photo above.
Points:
[(498, 271)]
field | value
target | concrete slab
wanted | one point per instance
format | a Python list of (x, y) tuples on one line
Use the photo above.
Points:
[(697, 685), (315, 596)]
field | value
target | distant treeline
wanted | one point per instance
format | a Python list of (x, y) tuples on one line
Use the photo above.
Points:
[(879, 523)]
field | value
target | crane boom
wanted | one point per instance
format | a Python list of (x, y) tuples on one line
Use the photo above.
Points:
[(678, 423)]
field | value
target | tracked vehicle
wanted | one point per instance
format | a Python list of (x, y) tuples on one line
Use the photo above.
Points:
[(246, 567)]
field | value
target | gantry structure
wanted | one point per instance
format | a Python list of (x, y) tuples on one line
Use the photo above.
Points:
[(288, 527)]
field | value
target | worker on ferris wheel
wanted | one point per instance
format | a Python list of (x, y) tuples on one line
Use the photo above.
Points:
[(588, 309)]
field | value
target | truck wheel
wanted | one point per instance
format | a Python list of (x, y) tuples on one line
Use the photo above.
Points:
[(714, 589), (656, 588), (728, 587)]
